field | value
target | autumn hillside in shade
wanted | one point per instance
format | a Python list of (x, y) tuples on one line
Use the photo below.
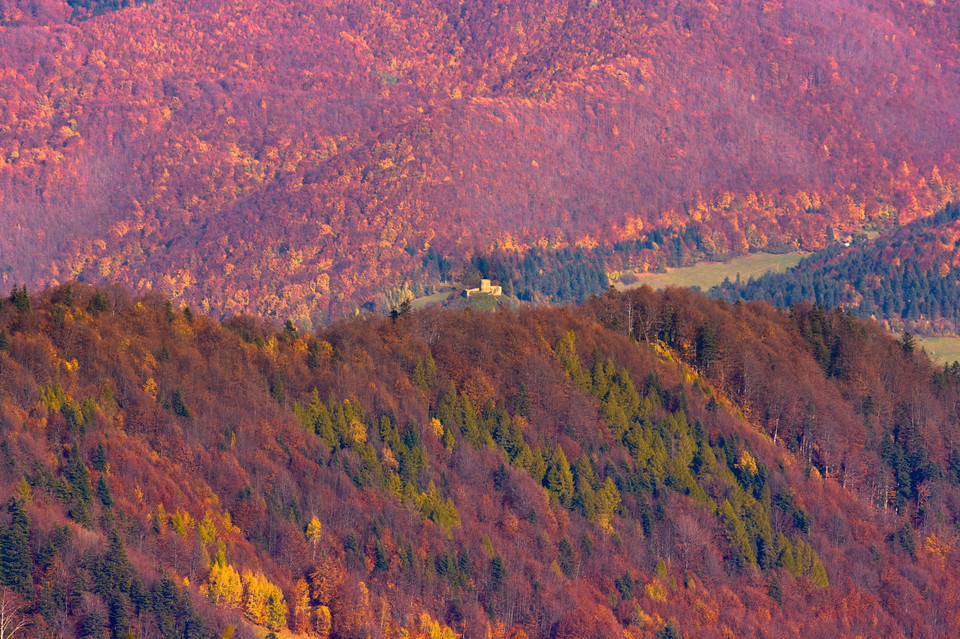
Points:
[(301, 160), (646, 465)]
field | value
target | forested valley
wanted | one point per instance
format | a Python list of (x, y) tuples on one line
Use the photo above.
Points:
[(225, 413), (908, 279)]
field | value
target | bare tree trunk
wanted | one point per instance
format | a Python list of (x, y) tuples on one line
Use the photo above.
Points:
[(11, 617)]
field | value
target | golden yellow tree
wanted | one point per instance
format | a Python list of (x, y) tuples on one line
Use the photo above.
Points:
[(608, 501), (223, 584), (322, 622), (314, 534), (263, 602)]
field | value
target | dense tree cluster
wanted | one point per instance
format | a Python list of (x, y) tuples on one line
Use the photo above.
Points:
[(909, 278), (300, 161), (646, 464)]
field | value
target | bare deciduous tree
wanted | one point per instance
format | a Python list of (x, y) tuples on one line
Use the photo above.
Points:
[(12, 619)]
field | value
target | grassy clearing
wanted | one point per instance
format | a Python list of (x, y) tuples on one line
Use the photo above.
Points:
[(944, 350), (262, 633), (477, 301), (709, 274), (429, 300)]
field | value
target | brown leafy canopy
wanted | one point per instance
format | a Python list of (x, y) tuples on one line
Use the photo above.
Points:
[(295, 161), (739, 469)]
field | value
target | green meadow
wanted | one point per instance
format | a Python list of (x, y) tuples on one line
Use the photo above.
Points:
[(945, 350), (709, 274)]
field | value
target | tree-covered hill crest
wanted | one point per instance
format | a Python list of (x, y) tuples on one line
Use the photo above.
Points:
[(645, 464)]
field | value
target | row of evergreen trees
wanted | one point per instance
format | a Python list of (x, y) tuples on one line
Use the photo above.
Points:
[(542, 275), (672, 453), (864, 280)]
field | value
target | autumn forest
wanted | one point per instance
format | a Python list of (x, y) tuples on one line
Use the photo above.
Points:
[(300, 160), (648, 463), (307, 326)]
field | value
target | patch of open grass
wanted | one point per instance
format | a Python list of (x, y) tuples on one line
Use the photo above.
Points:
[(484, 302), (945, 350), (429, 300), (708, 274)]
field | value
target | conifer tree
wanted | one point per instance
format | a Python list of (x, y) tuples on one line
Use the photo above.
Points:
[(707, 346), (420, 375), (224, 585), (15, 559), (537, 465), (179, 405), (263, 602), (559, 479), (785, 556), (741, 551), (78, 476), (103, 492), (566, 558), (98, 303), (100, 458), (20, 299), (498, 573), (112, 578), (608, 502)]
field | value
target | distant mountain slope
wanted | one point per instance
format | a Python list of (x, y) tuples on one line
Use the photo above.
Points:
[(536, 473), (909, 278), (300, 160)]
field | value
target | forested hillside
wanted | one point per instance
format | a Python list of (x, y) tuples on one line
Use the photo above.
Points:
[(301, 160), (645, 465), (909, 279)]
